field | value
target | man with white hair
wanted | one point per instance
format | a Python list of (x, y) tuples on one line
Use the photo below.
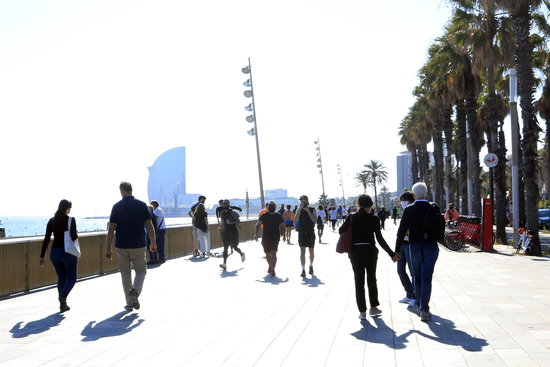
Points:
[(423, 249)]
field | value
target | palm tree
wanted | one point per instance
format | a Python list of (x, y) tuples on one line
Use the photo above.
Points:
[(385, 195), (521, 13), (362, 179), (377, 176)]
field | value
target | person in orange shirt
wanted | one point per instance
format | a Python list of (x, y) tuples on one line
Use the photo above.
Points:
[(288, 217)]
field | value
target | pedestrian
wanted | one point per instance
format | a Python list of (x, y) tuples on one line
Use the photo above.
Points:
[(364, 254), (65, 264), (196, 250), (383, 215), (345, 212), (160, 230), (404, 262), (288, 217), (423, 252), (272, 223), (333, 215), (394, 214), (153, 256), (451, 214), (306, 233), (229, 232), (321, 219), (201, 222), (129, 218), (281, 212)]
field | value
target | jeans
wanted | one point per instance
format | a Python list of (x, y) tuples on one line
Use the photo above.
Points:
[(402, 266), (65, 266), (160, 244), (128, 257), (364, 257), (423, 256)]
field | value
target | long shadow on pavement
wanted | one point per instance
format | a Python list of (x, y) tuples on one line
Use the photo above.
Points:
[(37, 326), (446, 332), (381, 333), (229, 274), (118, 324), (313, 282)]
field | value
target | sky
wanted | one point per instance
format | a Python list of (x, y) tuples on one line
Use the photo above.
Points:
[(92, 92)]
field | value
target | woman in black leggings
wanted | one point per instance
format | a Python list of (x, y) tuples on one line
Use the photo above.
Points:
[(364, 254)]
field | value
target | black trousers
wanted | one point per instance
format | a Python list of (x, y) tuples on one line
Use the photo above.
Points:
[(365, 257)]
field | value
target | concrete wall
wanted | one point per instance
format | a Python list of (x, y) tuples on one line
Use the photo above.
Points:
[(20, 271)]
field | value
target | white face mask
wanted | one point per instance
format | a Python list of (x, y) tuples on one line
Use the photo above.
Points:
[(405, 204)]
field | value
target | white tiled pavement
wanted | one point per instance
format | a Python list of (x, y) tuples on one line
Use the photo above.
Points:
[(490, 309)]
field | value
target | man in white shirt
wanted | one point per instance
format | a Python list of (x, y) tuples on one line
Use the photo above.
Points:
[(160, 230)]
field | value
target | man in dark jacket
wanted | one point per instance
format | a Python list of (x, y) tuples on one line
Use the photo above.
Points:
[(424, 252)]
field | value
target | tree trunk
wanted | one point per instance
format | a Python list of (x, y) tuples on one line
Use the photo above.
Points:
[(500, 189), (526, 82), (462, 156), (414, 165), (438, 162), (448, 130)]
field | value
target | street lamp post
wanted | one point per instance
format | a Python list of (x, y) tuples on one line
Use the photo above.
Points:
[(341, 183), (249, 93), (515, 157), (320, 164)]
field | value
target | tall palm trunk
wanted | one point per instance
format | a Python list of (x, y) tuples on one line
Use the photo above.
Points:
[(438, 162), (448, 130), (414, 165), (500, 188), (462, 156)]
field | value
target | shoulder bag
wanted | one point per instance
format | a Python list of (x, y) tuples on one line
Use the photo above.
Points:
[(71, 247), (345, 241)]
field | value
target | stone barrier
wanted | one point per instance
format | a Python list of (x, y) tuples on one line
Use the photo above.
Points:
[(21, 272)]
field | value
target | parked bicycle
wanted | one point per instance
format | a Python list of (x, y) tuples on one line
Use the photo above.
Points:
[(466, 230)]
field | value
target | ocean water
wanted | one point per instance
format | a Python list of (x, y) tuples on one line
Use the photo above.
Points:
[(22, 226)]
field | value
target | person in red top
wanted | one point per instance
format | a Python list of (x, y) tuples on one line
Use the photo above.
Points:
[(451, 214), (64, 263)]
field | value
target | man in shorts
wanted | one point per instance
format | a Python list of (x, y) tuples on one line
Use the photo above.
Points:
[(272, 223), (306, 233)]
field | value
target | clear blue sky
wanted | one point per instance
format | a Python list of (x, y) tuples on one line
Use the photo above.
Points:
[(93, 92)]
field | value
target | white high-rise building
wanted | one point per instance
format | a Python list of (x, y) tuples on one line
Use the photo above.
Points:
[(404, 176)]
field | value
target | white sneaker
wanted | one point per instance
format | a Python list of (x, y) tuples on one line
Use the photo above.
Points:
[(363, 316), (375, 311), (243, 257), (405, 300)]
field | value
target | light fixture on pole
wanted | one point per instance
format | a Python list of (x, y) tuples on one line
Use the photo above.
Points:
[(249, 93), (341, 183), (320, 165)]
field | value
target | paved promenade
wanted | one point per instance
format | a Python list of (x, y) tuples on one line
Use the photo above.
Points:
[(490, 309)]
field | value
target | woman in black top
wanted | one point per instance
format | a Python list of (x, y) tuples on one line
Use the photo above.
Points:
[(364, 254), (65, 264)]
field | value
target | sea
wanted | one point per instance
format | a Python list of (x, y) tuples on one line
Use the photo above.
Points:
[(22, 226)]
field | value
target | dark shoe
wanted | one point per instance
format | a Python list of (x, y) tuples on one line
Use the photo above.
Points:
[(128, 308), (134, 295), (311, 270), (303, 275), (152, 262), (162, 261), (63, 304)]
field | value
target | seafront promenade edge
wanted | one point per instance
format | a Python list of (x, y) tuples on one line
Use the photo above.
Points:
[(19, 256), (490, 309)]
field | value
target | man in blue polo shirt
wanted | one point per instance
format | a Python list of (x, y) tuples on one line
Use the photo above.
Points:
[(129, 218)]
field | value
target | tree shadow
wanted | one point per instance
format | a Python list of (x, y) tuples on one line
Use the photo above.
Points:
[(446, 332), (313, 282), (380, 333), (229, 274), (37, 326), (540, 259), (118, 324), (272, 280)]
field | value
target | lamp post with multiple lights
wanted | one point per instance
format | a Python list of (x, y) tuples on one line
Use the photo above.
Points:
[(320, 164), (249, 93)]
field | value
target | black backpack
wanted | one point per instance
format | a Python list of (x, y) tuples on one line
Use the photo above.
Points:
[(433, 226)]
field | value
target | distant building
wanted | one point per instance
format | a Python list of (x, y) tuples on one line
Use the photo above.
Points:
[(404, 175), (167, 183)]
